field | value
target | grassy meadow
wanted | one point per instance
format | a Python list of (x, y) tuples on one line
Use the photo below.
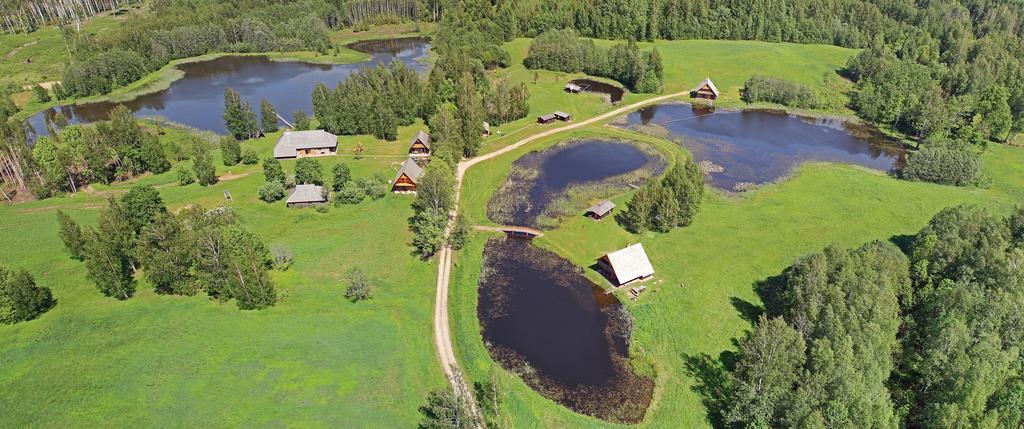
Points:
[(313, 360)]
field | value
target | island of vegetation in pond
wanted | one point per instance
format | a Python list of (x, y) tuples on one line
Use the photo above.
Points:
[(741, 149), (544, 186), (559, 332), (197, 99)]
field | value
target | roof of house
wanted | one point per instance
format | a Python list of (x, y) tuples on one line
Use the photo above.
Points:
[(421, 137), (547, 117), (487, 126), (706, 82), (573, 87), (409, 168), (292, 141), (630, 263), (307, 194), (561, 114), (601, 208)]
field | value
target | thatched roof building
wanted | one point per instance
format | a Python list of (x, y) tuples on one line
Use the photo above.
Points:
[(305, 195), (299, 144)]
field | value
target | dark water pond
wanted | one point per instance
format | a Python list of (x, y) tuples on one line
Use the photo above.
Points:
[(741, 148), (197, 99), (539, 179), (569, 341), (613, 92)]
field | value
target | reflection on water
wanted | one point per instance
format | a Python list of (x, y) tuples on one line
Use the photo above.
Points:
[(568, 340), (197, 99), (755, 147)]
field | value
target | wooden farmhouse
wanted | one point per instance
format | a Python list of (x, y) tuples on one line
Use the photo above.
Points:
[(562, 116), (307, 195), (705, 91), (600, 209), (420, 145), (300, 144), (408, 175), (546, 119), (626, 265)]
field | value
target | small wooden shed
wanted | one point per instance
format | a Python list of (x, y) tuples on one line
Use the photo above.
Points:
[(706, 90), (408, 175), (546, 119), (306, 195), (562, 116), (626, 265), (600, 209), (420, 144)]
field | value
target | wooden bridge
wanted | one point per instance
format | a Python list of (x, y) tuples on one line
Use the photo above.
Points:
[(512, 231)]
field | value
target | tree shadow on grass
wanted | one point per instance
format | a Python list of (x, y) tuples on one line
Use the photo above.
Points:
[(748, 310), (771, 289), (905, 242), (712, 383)]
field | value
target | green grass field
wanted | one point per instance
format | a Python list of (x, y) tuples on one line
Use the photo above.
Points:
[(47, 50), (313, 360)]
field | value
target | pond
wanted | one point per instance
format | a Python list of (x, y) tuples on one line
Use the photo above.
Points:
[(744, 148), (614, 93), (543, 320), (197, 99), (538, 185)]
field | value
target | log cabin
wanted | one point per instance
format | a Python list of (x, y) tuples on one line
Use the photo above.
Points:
[(300, 144), (562, 116), (600, 209), (307, 195), (408, 175), (546, 119), (705, 91), (627, 265), (420, 145)]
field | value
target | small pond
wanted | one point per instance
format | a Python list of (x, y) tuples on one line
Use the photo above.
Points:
[(614, 93), (538, 183), (197, 99), (744, 148), (542, 319)]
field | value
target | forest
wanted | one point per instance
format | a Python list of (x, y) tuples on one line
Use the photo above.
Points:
[(563, 50)]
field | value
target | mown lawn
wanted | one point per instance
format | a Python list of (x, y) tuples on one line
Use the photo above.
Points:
[(47, 50), (313, 360)]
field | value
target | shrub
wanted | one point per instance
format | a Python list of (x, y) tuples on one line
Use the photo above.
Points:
[(351, 193), (772, 90), (249, 157), (359, 288), (308, 170), (272, 191), (272, 170), (185, 176), (20, 298), (283, 257), (943, 165)]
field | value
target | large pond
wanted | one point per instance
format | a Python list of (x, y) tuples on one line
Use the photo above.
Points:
[(544, 321), (197, 99), (538, 188), (540, 316), (740, 149)]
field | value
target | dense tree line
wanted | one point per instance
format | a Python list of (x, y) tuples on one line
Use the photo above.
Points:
[(563, 50), (77, 155), (27, 15), (181, 254), (671, 202), (873, 338), (780, 91), (373, 101), (173, 29)]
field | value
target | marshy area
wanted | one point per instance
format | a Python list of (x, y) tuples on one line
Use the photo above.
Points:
[(544, 321), (560, 181)]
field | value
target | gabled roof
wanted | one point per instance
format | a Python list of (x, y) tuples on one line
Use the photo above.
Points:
[(630, 263), (547, 117), (601, 208), (409, 168), (307, 194), (421, 137), (561, 114), (706, 82), (292, 141)]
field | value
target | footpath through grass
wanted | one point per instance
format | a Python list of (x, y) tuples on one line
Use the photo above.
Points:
[(314, 359)]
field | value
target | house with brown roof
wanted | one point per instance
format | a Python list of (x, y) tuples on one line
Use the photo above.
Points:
[(706, 90)]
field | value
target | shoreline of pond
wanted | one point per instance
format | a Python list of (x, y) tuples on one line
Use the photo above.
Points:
[(161, 79)]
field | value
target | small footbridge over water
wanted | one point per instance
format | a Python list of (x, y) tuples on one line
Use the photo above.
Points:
[(512, 231)]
